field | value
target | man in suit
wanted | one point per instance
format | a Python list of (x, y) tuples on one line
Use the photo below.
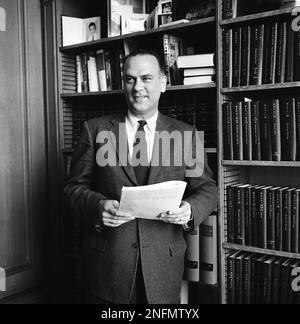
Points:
[(127, 259)]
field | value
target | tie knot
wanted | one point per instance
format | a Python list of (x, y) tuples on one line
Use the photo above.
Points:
[(142, 123)]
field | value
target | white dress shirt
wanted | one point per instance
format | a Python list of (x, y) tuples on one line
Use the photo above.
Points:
[(132, 125)]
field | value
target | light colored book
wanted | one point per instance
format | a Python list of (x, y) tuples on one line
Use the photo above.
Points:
[(195, 61), (93, 77), (192, 256), (79, 74), (77, 30), (209, 251), (101, 70), (199, 72), (198, 80)]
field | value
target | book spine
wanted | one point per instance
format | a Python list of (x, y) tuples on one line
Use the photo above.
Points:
[(246, 298), (237, 132), (275, 129), (239, 215), (245, 55), (247, 132), (278, 220), (230, 280), (227, 131), (281, 53), (297, 116), (256, 65), (290, 50), (297, 57), (266, 54), (295, 221), (236, 57), (230, 215), (254, 208), (238, 293), (208, 251), (266, 145), (78, 74), (227, 58), (262, 218), (85, 77), (255, 122), (287, 215), (192, 257), (247, 213), (271, 225), (288, 130)]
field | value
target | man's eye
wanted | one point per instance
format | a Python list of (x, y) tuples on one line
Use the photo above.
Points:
[(129, 80), (147, 78)]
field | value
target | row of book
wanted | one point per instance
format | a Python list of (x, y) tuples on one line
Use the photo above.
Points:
[(257, 279), (202, 116), (266, 217), (261, 54), (266, 130), (99, 71), (201, 261), (237, 8)]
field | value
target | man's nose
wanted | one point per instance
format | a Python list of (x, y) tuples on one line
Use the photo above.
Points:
[(138, 86)]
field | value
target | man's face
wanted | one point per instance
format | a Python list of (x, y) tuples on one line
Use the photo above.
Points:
[(92, 30), (144, 84)]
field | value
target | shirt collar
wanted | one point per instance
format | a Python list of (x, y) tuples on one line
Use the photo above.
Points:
[(151, 122)]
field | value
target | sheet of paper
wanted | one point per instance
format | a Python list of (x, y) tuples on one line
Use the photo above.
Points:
[(149, 202)]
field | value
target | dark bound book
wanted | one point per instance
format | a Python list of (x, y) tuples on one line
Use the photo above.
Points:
[(271, 222), (290, 53), (246, 281), (247, 213), (287, 219), (262, 217), (247, 131), (227, 58), (288, 129), (267, 280), (256, 54), (255, 122), (239, 214), (270, 48), (297, 57), (265, 130), (295, 221), (236, 57), (245, 55), (237, 130), (297, 113), (281, 53), (275, 129), (279, 218), (276, 281), (230, 214), (227, 131)]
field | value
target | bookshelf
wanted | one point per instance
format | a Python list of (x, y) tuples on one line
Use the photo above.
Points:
[(234, 216), (72, 107)]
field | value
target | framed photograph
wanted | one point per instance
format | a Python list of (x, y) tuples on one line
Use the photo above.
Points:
[(165, 7), (134, 23), (92, 29)]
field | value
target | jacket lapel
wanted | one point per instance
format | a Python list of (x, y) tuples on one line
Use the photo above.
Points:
[(163, 124), (118, 128)]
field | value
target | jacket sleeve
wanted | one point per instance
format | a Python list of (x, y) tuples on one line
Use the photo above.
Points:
[(80, 199), (201, 192)]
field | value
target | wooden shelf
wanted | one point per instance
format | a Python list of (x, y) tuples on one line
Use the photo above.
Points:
[(285, 164), (147, 33), (258, 16), (264, 87), (71, 151), (230, 246), (119, 92)]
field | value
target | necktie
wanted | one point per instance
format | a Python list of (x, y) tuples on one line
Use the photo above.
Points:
[(140, 155)]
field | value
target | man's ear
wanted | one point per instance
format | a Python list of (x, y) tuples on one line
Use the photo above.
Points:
[(163, 81)]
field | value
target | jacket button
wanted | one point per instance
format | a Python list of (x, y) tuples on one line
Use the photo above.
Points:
[(135, 245)]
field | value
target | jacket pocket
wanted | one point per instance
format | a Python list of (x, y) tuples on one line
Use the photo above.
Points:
[(177, 248), (96, 243)]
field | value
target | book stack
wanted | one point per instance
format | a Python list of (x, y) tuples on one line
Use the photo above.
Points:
[(263, 216), (261, 279), (197, 68), (261, 54), (266, 130), (99, 71), (201, 264)]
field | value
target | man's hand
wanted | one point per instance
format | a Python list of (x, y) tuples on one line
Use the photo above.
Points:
[(180, 216), (111, 216)]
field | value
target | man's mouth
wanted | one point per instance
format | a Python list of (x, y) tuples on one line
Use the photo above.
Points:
[(140, 98)]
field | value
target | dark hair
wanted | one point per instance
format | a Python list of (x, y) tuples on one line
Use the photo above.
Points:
[(146, 52), (92, 24)]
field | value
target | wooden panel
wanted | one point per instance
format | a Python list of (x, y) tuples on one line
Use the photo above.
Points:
[(22, 160)]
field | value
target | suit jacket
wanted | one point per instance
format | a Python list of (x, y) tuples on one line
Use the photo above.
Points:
[(111, 255)]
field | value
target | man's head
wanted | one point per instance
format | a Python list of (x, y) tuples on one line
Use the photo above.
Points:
[(144, 81), (92, 28)]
